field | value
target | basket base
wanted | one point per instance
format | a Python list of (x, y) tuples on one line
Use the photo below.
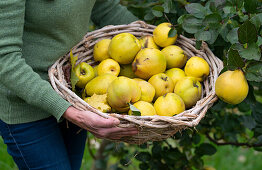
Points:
[(148, 134)]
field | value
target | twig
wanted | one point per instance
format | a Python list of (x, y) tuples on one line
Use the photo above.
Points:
[(170, 21), (233, 143)]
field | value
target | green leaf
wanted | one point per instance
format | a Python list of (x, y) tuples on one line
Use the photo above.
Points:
[(198, 44), (254, 72), (257, 113), (196, 9), (205, 149), (157, 13), (212, 7), (197, 162), (180, 20), (158, 8), (74, 79), (168, 4), (219, 2), (251, 6), (257, 20), (247, 33), (144, 166), (149, 16), (232, 36), (214, 35), (252, 52), (73, 59), (242, 17), (156, 150), (203, 35), (191, 24), (172, 32), (248, 122), (234, 60), (229, 10), (134, 110), (243, 107), (259, 41), (212, 20), (124, 161), (237, 46), (143, 156), (223, 31), (196, 138)]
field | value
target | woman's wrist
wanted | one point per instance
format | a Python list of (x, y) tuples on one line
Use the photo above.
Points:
[(71, 114)]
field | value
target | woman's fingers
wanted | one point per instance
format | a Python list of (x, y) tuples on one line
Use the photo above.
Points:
[(113, 132), (95, 121), (107, 123), (99, 126)]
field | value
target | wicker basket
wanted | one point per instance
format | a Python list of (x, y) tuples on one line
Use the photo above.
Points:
[(152, 128)]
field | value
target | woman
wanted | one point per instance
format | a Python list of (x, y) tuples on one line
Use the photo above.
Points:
[(33, 35)]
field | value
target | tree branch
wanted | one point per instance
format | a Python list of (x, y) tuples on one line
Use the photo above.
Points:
[(233, 143)]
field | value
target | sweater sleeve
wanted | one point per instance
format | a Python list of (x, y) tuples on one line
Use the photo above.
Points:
[(106, 12), (15, 73)]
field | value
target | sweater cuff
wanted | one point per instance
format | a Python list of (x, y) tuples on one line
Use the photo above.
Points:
[(54, 104)]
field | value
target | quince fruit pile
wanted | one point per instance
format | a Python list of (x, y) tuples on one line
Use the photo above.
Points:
[(143, 76)]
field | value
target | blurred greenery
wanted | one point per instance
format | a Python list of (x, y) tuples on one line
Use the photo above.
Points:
[(6, 161), (226, 158)]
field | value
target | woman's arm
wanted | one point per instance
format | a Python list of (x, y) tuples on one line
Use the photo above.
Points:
[(15, 73)]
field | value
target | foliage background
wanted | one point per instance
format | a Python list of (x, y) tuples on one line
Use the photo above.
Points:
[(232, 134)]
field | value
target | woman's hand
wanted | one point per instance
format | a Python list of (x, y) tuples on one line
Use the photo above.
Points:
[(97, 125)]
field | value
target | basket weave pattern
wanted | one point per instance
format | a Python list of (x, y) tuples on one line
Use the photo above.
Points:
[(152, 128)]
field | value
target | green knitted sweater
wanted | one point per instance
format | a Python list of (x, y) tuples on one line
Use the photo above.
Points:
[(33, 35)]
